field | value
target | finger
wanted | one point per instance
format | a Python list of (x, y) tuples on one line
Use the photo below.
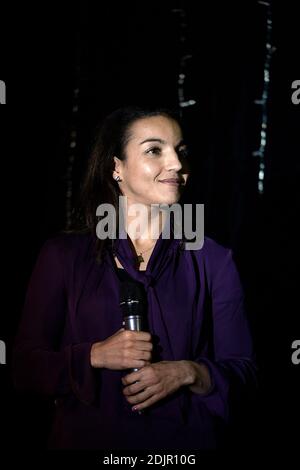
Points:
[(141, 397), (148, 402), (130, 362), (142, 355), (138, 335), (140, 358), (131, 378), (143, 346), (134, 388)]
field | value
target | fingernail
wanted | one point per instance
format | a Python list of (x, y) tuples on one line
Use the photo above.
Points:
[(134, 408)]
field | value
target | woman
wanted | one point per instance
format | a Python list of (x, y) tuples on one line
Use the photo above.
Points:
[(72, 346)]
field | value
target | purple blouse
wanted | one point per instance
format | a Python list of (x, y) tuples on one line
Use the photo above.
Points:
[(195, 311)]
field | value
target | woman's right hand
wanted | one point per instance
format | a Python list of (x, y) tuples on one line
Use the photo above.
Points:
[(123, 350)]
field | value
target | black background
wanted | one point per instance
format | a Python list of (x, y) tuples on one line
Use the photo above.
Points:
[(121, 53)]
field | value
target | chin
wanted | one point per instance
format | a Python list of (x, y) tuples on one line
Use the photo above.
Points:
[(170, 200), (166, 199)]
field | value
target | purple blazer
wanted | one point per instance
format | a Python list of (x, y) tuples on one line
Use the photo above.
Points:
[(195, 310)]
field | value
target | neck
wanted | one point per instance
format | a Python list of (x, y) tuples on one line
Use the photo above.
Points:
[(144, 224)]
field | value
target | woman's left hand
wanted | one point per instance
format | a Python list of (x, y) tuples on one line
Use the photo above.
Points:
[(155, 381)]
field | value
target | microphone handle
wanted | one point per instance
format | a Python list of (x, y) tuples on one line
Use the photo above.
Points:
[(133, 323)]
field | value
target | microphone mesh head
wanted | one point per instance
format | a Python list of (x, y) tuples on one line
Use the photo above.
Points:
[(133, 291)]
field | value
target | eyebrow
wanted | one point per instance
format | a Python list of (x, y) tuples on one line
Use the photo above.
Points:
[(154, 139), (161, 141)]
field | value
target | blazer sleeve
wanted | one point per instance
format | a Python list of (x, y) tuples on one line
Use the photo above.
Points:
[(39, 362), (232, 367)]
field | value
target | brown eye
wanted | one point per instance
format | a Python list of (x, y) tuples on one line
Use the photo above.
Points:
[(154, 151)]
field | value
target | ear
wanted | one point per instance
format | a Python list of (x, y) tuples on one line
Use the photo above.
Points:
[(118, 167)]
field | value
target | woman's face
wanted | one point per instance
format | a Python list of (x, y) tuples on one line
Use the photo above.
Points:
[(155, 170)]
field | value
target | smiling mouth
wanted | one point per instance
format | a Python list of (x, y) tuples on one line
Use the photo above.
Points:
[(171, 182)]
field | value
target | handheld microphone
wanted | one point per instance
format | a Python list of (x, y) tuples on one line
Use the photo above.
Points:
[(133, 305)]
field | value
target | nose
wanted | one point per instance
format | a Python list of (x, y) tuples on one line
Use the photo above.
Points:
[(172, 161)]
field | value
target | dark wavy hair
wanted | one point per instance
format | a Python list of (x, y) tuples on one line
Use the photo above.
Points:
[(98, 186)]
